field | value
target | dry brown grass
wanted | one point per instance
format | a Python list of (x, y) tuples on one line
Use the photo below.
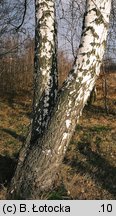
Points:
[(89, 167), (14, 121)]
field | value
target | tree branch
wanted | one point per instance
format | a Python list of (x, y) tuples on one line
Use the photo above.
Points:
[(24, 14)]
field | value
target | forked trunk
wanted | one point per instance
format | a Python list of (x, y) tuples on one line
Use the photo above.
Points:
[(39, 168)]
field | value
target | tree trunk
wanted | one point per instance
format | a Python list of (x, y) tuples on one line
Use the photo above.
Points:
[(45, 72), (42, 161)]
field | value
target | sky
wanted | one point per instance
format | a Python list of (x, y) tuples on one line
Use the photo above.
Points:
[(69, 18)]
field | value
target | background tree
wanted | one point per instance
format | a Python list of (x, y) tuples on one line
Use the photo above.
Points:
[(12, 15), (14, 34)]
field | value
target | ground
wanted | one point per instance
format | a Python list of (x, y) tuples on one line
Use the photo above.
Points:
[(89, 167)]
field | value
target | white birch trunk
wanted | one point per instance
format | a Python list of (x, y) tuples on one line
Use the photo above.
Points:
[(42, 162), (45, 71), (45, 74)]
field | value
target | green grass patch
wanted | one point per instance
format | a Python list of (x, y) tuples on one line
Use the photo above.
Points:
[(79, 127), (10, 143), (58, 194), (99, 128)]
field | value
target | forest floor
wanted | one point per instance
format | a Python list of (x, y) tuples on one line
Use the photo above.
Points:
[(89, 167)]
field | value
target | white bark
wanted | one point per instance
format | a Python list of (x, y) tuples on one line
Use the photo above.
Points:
[(45, 75), (45, 46)]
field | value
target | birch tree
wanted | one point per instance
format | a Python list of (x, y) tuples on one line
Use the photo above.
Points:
[(45, 76), (45, 72), (37, 173)]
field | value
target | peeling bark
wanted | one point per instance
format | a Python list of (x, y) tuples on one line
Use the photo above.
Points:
[(42, 161), (45, 74)]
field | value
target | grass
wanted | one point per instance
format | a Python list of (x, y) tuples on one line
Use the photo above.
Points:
[(99, 128), (59, 194), (89, 167)]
